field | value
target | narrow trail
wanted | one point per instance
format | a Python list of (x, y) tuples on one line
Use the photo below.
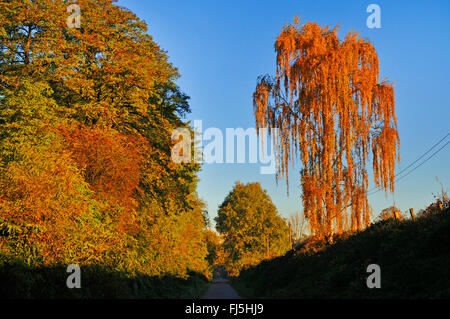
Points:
[(220, 289)]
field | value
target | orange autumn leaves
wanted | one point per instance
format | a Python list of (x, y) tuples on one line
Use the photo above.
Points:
[(55, 186), (109, 61), (110, 161), (86, 117), (331, 111)]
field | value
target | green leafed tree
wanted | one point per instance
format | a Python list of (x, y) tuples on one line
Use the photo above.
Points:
[(86, 116), (251, 227)]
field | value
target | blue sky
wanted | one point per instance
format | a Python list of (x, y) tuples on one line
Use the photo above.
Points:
[(221, 47)]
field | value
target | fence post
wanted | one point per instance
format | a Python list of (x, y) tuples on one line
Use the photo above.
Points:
[(411, 212), (290, 236), (395, 214)]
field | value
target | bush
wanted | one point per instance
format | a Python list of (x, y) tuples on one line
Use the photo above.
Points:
[(22, 281), (414, 257)]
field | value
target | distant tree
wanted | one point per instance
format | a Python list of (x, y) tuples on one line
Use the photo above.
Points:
[(299, 226), (330, 110), (86, 118), (442, 199), (390, 212), (216, 253), (441, 202), (251, 227)]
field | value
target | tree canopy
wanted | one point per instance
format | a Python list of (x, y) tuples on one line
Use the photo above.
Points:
[(330, 109), (390, 212), (86, 116), (251, 228)]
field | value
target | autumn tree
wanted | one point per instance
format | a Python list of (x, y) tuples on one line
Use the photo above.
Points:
[(299, 226), (331, 110), (390, 212), (86, 116), (216, 255), (251, 228)]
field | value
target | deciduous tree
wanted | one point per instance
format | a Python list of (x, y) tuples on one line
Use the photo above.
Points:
[(331, 110), (86, 116), (251, 227)]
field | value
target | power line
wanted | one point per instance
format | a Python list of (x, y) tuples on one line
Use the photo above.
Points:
[(424, 161), (396, 180), (423, 155), (376, 189)]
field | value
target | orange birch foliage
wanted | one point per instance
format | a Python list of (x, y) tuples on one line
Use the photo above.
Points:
[(330, 108)]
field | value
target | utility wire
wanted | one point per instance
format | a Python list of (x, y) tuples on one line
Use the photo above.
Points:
[(423, 155), (376, 189), (401, 177), (424, 161)]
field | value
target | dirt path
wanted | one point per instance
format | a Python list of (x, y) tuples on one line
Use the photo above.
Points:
[(220, 289)]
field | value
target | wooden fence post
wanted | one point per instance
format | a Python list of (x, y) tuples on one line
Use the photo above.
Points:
[(290, 237), (395, 214), (411, 212)]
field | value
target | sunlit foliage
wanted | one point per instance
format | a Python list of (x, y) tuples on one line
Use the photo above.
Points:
[(86, 116), (391, 212), (216, 254), (331, 110), (251, 228)]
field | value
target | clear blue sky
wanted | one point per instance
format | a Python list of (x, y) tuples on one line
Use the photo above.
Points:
[(220, 48)]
